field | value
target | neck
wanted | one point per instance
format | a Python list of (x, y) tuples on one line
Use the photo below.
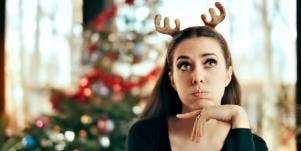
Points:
[(184, 126)]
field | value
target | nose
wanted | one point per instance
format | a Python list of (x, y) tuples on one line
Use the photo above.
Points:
[(198, 76)]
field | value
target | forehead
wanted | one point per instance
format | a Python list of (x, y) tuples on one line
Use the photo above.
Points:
[(198, 46)]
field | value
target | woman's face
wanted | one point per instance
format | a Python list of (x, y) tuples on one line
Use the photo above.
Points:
[(199, 73)]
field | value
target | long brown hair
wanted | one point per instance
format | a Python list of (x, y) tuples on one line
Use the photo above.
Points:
[(164, 100)]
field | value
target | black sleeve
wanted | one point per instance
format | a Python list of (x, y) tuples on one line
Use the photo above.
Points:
[(243, 139), (140, 137), (260, 144)]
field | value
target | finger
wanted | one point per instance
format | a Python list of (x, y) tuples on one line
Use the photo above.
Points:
[(193, 130), (200, 132), (197, 133), (201, 120), (196, 130), (201, 128), (188, 115)]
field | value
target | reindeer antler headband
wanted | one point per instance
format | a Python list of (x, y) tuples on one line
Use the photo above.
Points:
[(216, 19)]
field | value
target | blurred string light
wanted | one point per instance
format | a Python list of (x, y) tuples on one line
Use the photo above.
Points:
[(137, 110), (104, 141), (69, 135)]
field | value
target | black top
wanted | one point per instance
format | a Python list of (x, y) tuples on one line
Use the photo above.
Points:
[(152, 135)]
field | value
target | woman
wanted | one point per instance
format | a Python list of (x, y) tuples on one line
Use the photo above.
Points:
[(195, 104)]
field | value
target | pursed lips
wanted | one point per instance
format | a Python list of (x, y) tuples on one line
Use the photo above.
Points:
[(200, 94)]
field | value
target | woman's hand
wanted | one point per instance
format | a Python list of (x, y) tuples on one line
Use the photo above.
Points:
[(232, 114)]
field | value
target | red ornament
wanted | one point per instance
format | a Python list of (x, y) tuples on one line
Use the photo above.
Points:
[(84, 82), (42, 122), (87, 92), (101, 124), (83, 133), (116, 87), (105, 125)]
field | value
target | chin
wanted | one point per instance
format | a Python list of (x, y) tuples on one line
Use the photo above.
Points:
[(198, 104)]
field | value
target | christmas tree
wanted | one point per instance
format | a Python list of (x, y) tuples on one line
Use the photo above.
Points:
[(121, 58)]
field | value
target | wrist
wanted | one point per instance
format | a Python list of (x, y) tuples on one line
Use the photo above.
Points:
[(239, 118)]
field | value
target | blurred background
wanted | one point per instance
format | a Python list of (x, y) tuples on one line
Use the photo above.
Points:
[(77, 73)]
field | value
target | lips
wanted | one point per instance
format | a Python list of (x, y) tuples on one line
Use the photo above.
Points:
[(200, 94)]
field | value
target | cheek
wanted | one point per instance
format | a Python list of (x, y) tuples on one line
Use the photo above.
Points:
[(218, 76), (217, 84), (218, 81), (220, 91), (179, 80), (181, 83)]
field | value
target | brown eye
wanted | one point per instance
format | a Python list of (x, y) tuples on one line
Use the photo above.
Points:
[(184, 66), (210, 63)]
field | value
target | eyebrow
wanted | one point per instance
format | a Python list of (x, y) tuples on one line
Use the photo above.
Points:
[(203, 55), (209, 54)]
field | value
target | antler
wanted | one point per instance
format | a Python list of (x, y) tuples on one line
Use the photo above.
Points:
[(215, 19), (166, 29)]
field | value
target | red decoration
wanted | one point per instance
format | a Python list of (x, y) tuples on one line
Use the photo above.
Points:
[(55, 101), (113, 82), (83, 133), (92, 48), (112, 55), (42, 122), (100, 20), (101, 124), (83, 82), (87, 92), (105, 125)]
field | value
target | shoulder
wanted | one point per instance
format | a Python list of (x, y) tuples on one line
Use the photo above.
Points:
[(146, 125), (259, 143), (143, 134), (245, 140)]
